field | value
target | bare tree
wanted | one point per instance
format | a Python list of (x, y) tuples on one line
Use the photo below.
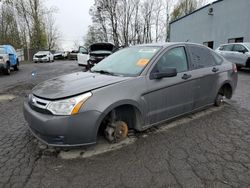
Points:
[(127, 22), (52, 32)]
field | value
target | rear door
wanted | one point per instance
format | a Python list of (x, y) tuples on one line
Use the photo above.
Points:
[(240, 57), (206, 73), (12, 55), (173, 96)]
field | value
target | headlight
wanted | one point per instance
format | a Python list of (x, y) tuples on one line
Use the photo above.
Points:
[(69, 106)]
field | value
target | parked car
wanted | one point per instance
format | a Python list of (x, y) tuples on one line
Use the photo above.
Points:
[(238, 53), (43, 56), (60, 55), (73, 55), (134, 88), (8, 59), (94, 54)]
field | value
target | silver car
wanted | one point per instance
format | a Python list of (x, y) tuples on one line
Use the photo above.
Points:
[(238, 53), (134, 88)]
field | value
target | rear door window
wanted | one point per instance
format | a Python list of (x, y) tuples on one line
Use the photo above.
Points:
[(201, 57)]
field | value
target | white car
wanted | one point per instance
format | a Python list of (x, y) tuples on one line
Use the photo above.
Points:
[(43, 56), (238, 53)]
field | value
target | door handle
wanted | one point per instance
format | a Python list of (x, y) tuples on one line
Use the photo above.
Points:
[(186, 76), (215, 69)]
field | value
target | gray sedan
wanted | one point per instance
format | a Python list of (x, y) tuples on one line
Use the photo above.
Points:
[(135, 88)]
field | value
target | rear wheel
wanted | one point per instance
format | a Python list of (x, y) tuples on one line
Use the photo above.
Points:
[(7, 70), (16, 67)]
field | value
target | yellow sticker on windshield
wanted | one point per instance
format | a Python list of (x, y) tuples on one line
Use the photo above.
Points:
[(142, 62)]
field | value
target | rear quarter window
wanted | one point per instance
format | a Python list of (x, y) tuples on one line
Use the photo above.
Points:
[(200, 57)]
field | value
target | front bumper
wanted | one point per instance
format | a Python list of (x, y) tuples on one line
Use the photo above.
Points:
[(2, 64), (45, 59), (77, 130)]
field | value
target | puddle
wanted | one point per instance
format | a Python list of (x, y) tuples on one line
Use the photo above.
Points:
[(4, 98)]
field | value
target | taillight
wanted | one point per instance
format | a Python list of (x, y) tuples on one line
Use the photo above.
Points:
[(234, 68)]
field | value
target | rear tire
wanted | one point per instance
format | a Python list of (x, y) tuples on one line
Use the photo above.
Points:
[(7, 70), (16, 67)]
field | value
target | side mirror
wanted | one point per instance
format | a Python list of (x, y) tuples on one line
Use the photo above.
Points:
[(168, 72)]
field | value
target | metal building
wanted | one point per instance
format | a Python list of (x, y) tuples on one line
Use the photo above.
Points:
[(223, 21)]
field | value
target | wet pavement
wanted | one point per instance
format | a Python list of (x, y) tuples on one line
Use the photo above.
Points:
[(206, 149)]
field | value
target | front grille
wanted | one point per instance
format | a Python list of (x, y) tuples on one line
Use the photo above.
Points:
[(40, 110), (40, 56), (39, 105)]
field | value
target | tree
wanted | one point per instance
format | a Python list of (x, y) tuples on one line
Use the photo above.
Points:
[(9, 33), (52, 32), (126, 22), (22, 24), (94, 35), (184, 7)]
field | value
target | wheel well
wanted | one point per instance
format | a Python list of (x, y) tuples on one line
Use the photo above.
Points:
[(127, 113), (226, 90), (248, 62)]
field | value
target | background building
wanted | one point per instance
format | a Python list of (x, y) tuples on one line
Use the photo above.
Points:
[(223, 21)]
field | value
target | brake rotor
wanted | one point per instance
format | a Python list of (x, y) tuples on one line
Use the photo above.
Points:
[(121, 130), (117, 131)]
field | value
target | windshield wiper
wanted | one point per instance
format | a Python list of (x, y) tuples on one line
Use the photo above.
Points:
[(104, 72)]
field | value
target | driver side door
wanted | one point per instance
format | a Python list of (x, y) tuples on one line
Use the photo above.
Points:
[(82, 56), (170, 97)]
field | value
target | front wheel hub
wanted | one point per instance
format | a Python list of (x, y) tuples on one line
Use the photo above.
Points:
[(117, 131)]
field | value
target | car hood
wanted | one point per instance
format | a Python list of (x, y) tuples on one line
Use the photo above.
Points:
[(101, 47), (41, 54), (74, 84)]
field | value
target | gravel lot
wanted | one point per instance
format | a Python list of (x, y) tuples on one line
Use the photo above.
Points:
[(206, 149)]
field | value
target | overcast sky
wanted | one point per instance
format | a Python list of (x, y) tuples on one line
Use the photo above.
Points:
[(72, 19)]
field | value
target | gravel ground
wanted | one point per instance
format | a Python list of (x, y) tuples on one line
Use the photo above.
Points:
[(206, 149)]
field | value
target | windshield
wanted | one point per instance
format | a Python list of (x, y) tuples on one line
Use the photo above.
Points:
[(127, 62), (2, 51), (43, 52)]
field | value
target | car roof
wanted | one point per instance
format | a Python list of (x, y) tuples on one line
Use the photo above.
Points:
[(235, 43), (167, 44)]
